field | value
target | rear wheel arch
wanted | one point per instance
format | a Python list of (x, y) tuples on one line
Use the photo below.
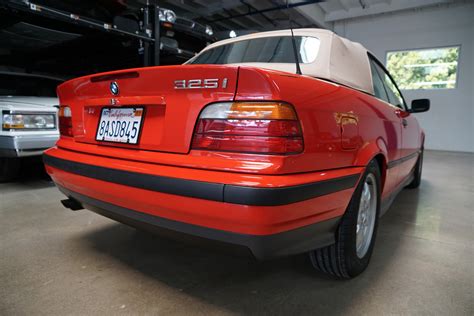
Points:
[(374, 151)]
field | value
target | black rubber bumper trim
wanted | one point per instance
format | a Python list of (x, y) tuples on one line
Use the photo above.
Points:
[(286, 195), (207, 190), (394, 163), (190, 188), (262, 247)]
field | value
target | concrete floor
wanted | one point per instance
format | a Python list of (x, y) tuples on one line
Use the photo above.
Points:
[(56, 262)]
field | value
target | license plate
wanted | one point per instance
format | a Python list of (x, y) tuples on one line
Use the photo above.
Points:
[(120, 125)]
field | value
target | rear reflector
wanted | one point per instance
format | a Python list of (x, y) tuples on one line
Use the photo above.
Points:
[(249, 144), (65, 121), (249, 127)]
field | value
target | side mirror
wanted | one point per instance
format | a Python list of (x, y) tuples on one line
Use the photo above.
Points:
[(420, 105)]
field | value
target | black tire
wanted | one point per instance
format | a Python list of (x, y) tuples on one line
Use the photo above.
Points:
[(340, 260), (9, 169), (415, 183)]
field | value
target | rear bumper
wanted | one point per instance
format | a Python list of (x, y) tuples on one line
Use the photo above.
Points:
[(267, 214), (26, 145), (260, 246)]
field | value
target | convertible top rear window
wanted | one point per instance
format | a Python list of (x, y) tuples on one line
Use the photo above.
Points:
[(278, 49)]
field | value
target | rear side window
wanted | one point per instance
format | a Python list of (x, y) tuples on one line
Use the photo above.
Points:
[(393, 95), (379, 90)]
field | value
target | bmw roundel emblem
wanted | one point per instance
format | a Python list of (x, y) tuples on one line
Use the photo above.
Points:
[(114, 88)]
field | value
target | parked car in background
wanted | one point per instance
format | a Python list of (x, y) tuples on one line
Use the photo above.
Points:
[(235, 147), (28, 108)]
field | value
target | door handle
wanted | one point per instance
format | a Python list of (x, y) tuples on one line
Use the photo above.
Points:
[(404, 122)]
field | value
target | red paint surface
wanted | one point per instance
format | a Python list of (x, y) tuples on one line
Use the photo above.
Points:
[(343, 130)]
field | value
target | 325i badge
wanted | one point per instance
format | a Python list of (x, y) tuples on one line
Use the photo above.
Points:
[(200, 84)]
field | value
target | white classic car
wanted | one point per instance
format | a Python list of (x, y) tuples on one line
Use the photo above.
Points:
[(28, 108)]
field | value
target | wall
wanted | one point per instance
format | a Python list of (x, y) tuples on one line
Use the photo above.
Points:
[(449, 123)]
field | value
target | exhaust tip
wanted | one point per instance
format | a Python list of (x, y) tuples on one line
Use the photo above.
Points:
[(72, 204)]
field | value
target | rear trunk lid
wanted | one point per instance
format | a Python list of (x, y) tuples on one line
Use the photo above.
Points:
[(171, 96)]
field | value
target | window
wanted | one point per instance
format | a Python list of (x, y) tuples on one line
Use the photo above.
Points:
[(379, 90), (394, 96), (384, 87), (261, 50), (434, 68)]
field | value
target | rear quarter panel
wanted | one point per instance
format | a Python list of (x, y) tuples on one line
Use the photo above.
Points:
[(323, 109), (318, 105)]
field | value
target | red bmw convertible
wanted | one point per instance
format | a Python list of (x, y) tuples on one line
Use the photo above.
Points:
[(235, 147)]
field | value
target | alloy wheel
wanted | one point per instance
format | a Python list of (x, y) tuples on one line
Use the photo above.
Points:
[(366, 216)]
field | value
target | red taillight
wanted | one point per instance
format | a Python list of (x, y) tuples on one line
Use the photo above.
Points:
[(249, 127), (65, 121)]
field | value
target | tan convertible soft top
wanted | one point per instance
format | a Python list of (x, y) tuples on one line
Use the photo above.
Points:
[(339, 59)]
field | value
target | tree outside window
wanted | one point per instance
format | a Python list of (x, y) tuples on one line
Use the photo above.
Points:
[(434, 68)]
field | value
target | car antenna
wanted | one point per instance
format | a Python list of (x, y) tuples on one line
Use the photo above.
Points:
[(293, 40)]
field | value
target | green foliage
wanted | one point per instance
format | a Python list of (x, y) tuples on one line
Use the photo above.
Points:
[(424, 69)]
